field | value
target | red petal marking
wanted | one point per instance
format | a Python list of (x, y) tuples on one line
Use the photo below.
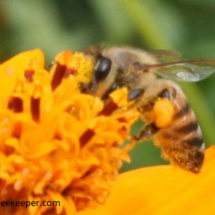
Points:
[(58, 75), (86, 136), (16, 104), (109, 108), (35, 109), (29, 75)]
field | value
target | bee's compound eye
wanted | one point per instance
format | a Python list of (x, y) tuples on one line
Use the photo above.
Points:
[(102, 68)]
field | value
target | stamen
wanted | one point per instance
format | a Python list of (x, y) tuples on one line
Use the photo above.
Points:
[(86, 136), (29, 75), (17, 130), (69, 71), (108, 108), (15, 104), (58, 76), (30, 69), (35, 109)]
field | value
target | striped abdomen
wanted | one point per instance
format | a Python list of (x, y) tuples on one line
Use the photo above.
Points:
[(182, 142)]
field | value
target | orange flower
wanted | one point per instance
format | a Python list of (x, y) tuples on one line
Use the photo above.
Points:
[(60, 145), (162, 190), (57, 144)]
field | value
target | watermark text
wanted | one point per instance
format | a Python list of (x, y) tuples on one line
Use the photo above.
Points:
[(29, 203)]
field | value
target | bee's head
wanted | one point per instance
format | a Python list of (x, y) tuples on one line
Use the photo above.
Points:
[(115, 67)]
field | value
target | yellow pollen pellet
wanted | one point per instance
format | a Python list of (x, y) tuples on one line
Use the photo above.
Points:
[(163, 112)]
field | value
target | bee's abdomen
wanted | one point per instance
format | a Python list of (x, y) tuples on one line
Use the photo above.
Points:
[(182, 142)]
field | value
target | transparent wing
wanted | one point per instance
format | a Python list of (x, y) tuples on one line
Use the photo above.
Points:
[(166, 55), (189, 70)]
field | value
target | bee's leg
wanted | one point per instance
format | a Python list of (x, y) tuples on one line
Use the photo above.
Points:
[(150, 129), (147, 132), (165, 94)]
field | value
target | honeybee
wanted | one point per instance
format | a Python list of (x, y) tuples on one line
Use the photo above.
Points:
[(147, 79)]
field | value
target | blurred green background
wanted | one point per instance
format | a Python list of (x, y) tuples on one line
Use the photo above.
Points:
[(54, 25)]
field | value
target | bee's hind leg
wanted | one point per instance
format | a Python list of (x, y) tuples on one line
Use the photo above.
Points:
[(150, 129), (147, 132)]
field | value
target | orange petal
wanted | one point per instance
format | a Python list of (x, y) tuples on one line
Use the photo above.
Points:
[(162, 190), (15, 67)]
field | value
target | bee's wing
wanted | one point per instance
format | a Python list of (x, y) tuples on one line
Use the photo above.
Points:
[(189, 70), (166, 55)]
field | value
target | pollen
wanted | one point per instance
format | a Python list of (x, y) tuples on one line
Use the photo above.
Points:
[(56, 143), (72, 64), (163, 112)]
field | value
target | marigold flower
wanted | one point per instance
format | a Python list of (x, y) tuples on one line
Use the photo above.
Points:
[(56, 143), (162, 190)]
